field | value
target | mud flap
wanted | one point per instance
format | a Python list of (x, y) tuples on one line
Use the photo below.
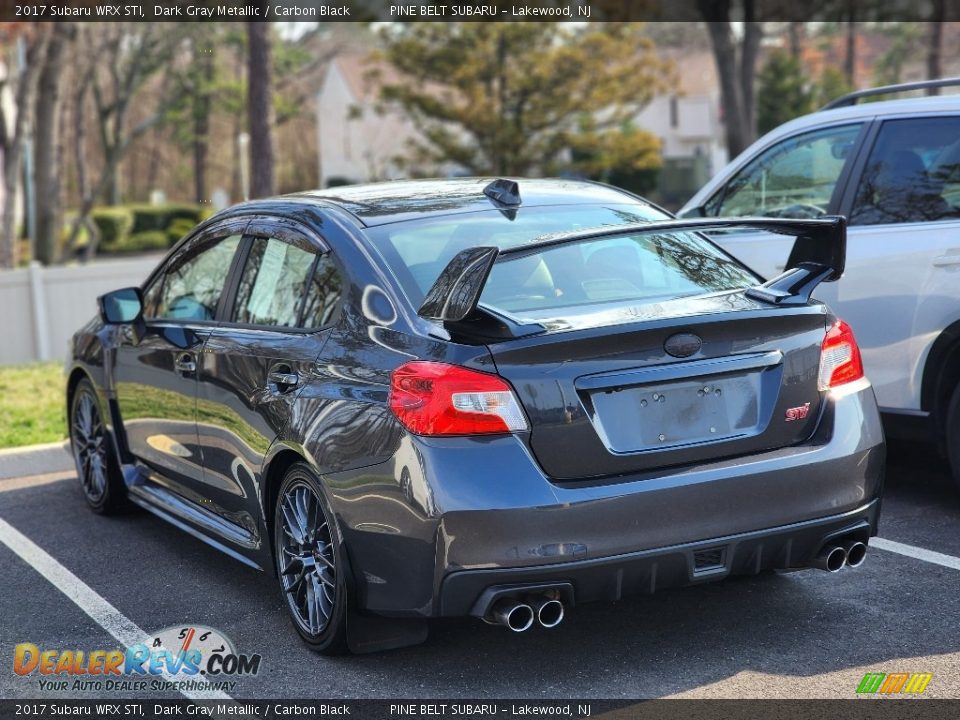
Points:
[(373, 633), (368, 633)]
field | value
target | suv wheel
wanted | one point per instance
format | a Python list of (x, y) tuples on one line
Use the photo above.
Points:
[(310, 562), (953, 436)]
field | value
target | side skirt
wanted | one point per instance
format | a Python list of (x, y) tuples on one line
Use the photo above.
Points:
[(197, 521)]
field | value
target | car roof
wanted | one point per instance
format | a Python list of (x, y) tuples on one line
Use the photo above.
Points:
[(387, 202), (860, 111)]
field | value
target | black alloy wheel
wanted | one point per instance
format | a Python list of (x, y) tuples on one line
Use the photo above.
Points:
[(309, 559), (96, 468)]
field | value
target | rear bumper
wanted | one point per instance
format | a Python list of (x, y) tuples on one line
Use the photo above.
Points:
[(611, 578), (444, 519)]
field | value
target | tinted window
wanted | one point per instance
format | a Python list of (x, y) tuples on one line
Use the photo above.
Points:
[(273, 284), (913, 173), (191, 288), (615, 269), (634, 268), (418, 250), (793, 179), (323, 294)]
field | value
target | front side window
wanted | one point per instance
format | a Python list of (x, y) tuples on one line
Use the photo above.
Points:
[(912, 174), (190, 289), (793, 179)]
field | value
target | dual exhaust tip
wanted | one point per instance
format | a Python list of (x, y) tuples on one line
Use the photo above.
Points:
[(519, 616), (833, 558)]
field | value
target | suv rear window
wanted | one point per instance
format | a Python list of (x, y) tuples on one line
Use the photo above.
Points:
[(626, 268)]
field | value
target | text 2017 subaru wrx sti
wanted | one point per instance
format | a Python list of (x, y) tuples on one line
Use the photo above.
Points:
[(474, 397)]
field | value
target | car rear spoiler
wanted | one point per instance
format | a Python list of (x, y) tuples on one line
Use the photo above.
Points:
[(818, 255)]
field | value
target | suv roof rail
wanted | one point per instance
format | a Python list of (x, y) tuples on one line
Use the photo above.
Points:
[(852, 98)]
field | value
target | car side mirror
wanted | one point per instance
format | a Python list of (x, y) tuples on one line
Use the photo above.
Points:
[(122, 307)]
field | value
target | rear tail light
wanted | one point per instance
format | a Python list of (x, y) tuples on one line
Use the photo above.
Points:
[(840, 361), (432, 398)]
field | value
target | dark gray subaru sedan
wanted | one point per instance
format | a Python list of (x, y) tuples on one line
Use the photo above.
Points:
[(494, 398)]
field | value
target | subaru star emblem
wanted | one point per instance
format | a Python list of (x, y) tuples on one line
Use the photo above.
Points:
[(683, 345)]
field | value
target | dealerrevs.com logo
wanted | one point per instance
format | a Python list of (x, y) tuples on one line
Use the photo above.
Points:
[(894, 683), (172, 659)]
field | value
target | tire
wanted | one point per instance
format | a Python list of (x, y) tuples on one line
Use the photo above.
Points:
[(92, 447), (311, 562), (952, 436)]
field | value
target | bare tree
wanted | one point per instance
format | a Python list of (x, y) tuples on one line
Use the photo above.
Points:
[(36, 40), (935, 42), (795, 32), (736, 60), (80, 93), (47, 143), (260, 109), (850, 58), (195, 89), (202, 101), (118, 58)]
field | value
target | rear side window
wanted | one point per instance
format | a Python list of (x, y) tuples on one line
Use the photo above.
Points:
[(323, 294), (287, 286), (793, 179), (631, 268), (912, 174)]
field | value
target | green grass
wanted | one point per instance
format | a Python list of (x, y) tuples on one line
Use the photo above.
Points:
[(32, 404)]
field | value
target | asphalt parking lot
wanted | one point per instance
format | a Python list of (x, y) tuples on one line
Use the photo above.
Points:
[(796, 635)]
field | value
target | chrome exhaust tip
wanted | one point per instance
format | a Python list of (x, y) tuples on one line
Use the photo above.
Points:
[(830, 558), (549, 611), (515, 615), (856, 553)]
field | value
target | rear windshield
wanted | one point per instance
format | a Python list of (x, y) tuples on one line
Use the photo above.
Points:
[(624, 268)]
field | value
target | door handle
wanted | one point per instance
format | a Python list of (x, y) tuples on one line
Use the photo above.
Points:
[(284, 380), (947, 260), (185, 364)]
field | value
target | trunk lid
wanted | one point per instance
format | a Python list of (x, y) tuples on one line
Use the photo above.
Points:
[(604, 396)]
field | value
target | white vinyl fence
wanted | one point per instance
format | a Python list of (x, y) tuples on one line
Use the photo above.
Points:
[(40, 308)]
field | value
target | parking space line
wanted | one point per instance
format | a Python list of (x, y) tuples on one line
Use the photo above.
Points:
[(7, 485), (87, 599), (918, 553)]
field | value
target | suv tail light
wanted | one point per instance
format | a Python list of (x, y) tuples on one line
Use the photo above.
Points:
[(840, 361), (432, 398)]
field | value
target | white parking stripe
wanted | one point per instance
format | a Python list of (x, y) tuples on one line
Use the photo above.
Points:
[(103, 613), (35, 480), (917, 553)]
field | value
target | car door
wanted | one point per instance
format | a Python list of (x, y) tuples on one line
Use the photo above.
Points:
[(281, 309), (801, 176), (154, 371), (901, 286)]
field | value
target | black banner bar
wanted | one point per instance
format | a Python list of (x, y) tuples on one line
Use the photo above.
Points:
[(454, 10), (857, 709)]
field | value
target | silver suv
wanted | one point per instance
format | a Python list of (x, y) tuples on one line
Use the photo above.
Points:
[(893, 169)]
